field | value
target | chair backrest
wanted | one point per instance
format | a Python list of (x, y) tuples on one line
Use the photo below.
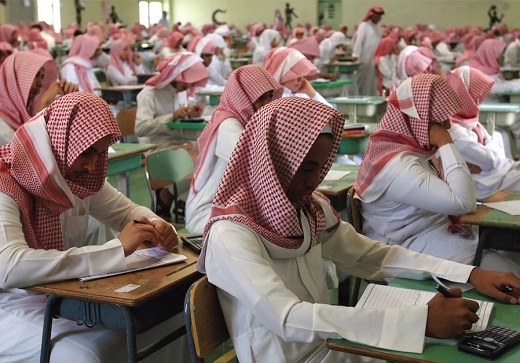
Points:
[(171, 165), (354, 211), (126, 121), (205, 325)]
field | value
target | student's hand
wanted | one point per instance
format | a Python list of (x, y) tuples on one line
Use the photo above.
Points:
[(331, 76), (168, 234), (182, 112), (450, 317), (135, 234), (307, 88), (474, 169), (492, 283), (439, 135), (137, 58), (197, 110), (56, 88)]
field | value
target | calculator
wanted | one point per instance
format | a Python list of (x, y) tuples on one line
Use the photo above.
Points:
[(193, 242), (490, 343)]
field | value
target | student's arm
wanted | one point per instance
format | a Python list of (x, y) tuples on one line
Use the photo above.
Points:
[(69, 74), (487, 157), (228, 134), (387, 68), (454, 195), (147, 123), (118, 78), (22, 266)]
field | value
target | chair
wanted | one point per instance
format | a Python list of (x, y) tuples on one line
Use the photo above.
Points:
[(205, 325), (166, 167), (126, 121)]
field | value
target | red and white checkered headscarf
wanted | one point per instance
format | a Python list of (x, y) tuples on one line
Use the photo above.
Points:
[(472, 86), (308, 46), (244, 87), (418, 100), (117, 48), (33, 165), (17, 74), (182, 66), (485, 58), (202, 45), (82, 49), (6, 32), (286, 64), (373, 10), (263, 165)]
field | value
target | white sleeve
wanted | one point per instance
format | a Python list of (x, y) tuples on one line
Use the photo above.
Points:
[(386, 68), (455, 195), (487, 156), (22, 266), (146, 121), (360, 40), (69, 74), (321, 99), (117, 78), (228, 134)]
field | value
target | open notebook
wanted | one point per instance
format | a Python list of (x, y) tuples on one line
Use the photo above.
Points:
[(387, 297), (142, 260)]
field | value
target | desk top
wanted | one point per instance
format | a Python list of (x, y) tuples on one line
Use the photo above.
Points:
[(126, 149), (177, 125), (489, 217), (499, 107), (332, 84), (125, 88), (440, 350), (345, 64), (359, 100), (215, 93), (152, 283), (340, 186)]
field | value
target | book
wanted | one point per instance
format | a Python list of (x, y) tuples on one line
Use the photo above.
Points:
[(142, 260), (390, 297)]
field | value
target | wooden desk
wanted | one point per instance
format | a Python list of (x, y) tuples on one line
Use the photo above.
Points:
[(372, 107), (439, 350), (127, 94), (497, 229), (336, 190), (332, 88), (159, 297), (498, 114), (127, 157)]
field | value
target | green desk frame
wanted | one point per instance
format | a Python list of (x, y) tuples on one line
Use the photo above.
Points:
[(332, 88)]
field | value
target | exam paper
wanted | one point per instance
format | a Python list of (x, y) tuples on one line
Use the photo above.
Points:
[(142, 260), (335, 175), (510, 207), (390, 297)]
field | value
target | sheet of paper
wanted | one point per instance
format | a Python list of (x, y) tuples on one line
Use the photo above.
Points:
[(353, 98), (111, 150), (390, 297), (335, 175), (142, 260), (321, 80), (510, 207)]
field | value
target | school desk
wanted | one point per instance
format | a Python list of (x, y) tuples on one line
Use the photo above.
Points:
[(332, 88), (143, 77), (127, 157), (127, 94), (346, 70), (510, 96), (497, 229), (336, 190), (439, 350), (354, 107), (498, 114), (239, 62), (214, 95), (158, 297)]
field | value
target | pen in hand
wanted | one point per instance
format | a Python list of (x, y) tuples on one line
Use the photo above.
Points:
[(440, 287)]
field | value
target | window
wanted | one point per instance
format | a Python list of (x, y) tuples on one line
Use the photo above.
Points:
[(150, 12), (49, 12)]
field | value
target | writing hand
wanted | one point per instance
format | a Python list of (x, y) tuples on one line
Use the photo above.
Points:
[(136, 233), (167, 232)]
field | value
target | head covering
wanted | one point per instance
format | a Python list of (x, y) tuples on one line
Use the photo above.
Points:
[(17, 75), (486, 56), (286, 64), (202, 45), (175, 40), (118, 47), (6, 47), (245, 85), (6, 32), (320, 35), (412, 60), (266, 38), (308, 46), (262, 166), (223, 30), (418, 100), (82, 49), (36, 40), (373, 10), (472, 47), (34, 164), (184, 67), (472, 86), (385, 47)]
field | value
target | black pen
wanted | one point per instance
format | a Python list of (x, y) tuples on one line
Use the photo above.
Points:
[(444, 290), (139, 222)]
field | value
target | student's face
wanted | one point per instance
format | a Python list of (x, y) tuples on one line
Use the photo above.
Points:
[(86, 161), (180, 86), (274, 43), (206, 59), (124, 54), (295, 84), (96, 54), (307, 177), (15, 42), (263, 100), (36, 85), (376, 18)]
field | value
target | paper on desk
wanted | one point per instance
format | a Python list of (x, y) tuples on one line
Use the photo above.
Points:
[(510, 207), (142, 260), (352, 98), (111, 150), (321, 80), (390, 297), (335, 175)]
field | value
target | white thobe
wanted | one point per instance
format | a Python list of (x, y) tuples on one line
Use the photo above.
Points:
[(367, 40), (407, 204), (117, 78), (6, 132), (498, 172), (317, 97), (22, 311), (387, 68), (512, 54), (214, 69), (68, 73), (278, 309)]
